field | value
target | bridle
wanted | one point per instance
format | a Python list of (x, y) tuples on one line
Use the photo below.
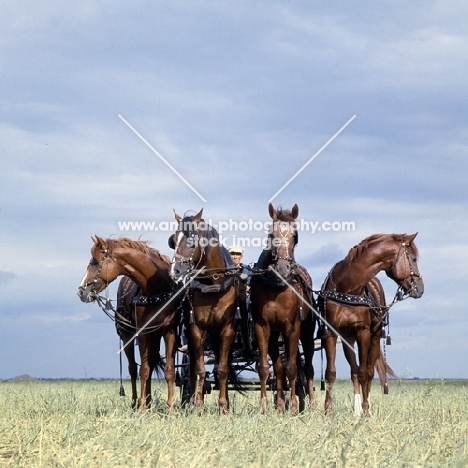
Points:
[(284, 242), (401, 293), (191, 241), (105, 254)]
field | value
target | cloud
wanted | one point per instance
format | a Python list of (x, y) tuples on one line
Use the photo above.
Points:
[(62, 318), (6, 277), (327, 255), (237, 99)]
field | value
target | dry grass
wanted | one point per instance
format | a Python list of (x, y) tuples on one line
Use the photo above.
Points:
[(86, 424)]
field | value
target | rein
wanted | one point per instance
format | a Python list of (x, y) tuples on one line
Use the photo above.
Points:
[(220, 272), (106, 305)]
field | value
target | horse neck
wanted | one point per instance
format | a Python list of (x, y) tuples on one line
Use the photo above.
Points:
[(353, 277), (149, 272), (212, 259), (267, 259)]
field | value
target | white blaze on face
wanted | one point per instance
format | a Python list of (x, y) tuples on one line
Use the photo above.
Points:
[(178, 239), (83, 281)]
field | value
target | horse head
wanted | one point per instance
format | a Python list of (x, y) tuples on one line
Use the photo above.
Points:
[(102, 270), (188, 245), (283, 238), (405, 271)]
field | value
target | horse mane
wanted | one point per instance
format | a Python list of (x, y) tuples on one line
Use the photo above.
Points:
[(126, 242), (284, 215), (358, 249), (141, 246), (208, 231)]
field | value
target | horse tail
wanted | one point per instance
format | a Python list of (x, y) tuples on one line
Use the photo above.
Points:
[(159, 366), (301, 375), (383, 369)]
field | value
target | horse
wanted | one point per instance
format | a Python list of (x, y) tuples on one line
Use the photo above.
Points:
[(352, 304), (205, 266), (156, 313), (280, 299), (128, 293)]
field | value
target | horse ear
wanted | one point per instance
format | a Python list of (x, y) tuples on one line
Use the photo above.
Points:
[(410, 239), (171, 242), (177, 217), (272, 212), (100, 242), (198, 216), (295, 211)]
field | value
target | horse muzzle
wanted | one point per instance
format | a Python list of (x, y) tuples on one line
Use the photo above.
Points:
[(87, 293), (177, 272), (283, 268), (417, 288)]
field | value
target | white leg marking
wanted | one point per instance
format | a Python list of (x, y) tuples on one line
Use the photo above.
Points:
[(357, 404)]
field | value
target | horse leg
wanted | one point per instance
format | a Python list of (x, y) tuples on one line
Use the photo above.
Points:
[(291, 345), (169, 370), (374, 353), (145, 372), (154, 358), (308, 346), (262, 332), (129, 348), (226, 340), (363, 341), (197, 364), (330, 372), (350, 356), (278, 369)]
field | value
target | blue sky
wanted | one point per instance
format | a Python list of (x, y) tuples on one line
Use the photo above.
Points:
[(237, 96)]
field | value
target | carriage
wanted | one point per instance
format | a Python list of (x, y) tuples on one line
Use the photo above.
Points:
[(193, 303)]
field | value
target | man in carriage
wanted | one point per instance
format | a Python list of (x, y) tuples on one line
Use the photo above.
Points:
[(243, 289)]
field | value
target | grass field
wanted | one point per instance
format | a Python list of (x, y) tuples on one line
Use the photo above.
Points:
[(87, 424)]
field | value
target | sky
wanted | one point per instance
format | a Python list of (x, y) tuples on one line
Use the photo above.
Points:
[(235, 98)]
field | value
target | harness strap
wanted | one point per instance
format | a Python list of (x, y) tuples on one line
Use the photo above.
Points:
[(142, 300), (348, 299), (213, 288)]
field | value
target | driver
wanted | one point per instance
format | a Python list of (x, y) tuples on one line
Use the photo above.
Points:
[(242, 288)]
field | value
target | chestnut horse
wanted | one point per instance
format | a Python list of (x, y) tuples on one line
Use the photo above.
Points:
[(149, 269), (211, 300), (352, 302), (280, 300), (128, 294)]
